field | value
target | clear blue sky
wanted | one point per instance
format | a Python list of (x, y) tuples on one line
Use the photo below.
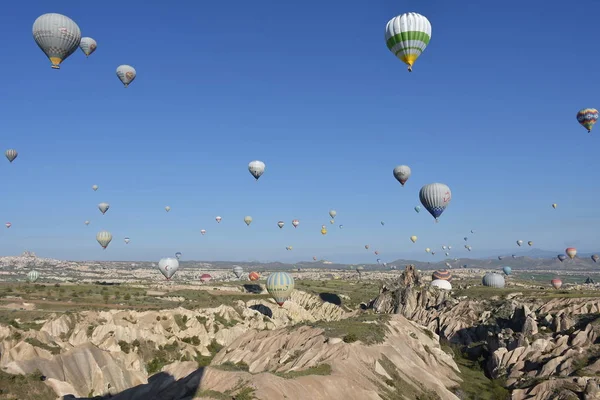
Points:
[(311, 89)]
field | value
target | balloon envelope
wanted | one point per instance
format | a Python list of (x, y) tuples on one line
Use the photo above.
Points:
[(280, 286)]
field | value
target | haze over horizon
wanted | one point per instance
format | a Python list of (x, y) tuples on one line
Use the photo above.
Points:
[(311, 90)]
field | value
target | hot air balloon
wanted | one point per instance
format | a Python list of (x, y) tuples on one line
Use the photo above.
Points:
[(238, 271), (492, 279), (332, 213), (554, 205), (519, 242), (32, 276), (514, 256), (507, 270), (256, 168), (472, 231), (376, 252), (500, 258), (407, 35), (341, 226), (323, 231), (87, 45), (447, 254), (253, 276), (465, 238), (248, 220), (8, 224), (571, 252), (94, 187), (418, 209), (587, 117), (11, 154), (382, 223), (435, 197), (561, 257), (203, 231), (126, 74), (167, 208), (57, 35), (168, 266), (127, 240), (556, 282), (443, 247), (441, 284), (433, 253), (218, 219), (288, 247), (530, 243), (280, 224), (331, 221), (413, 239), (595, 257), (427, 250), (314, 258), (204, 278), (402, 173), (87, 222), (103, 207), (280, 286), (449, 247), (178, 255), (442, 274), (104, 238), (295, 223)]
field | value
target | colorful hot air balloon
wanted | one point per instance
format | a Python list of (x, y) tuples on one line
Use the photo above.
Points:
[(11, 154), (88, 45), (94, 187), (557, 283), (587, 117), (103, 207), (402, 173), (413, 239), (8, 224), (126, 74), (256, 168), (104, 238), (218, 219), (323, 231), (595, 257), (57, 35), (253, 276), (561, 257), (32, 276), (203, 231), (248, 220), (280, 224), (442, 274), (435, 197), (168, 266), (280, 286), (295, 223), (407, 35), (507, 270), (571, 252)]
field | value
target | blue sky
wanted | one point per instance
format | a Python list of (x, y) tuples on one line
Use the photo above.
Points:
[(311, 89)]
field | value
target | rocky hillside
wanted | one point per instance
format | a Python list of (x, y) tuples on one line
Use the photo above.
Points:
[(308, 349)]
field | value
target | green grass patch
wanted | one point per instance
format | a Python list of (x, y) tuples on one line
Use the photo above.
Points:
[(35, 342), (229, 366), (321, 369), (367, 327), (399, 388), (357, 292), (23, 387)]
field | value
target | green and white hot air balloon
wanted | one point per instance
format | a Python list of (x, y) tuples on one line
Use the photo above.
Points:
[(57, 35), (104, 238), (280, 286), (407, 36), (33, 276)]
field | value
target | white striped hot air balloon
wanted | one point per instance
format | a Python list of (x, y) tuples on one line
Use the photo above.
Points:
[(407, 36), (435, 197), (33, 276), (11, 154), (104, 238), (280, 286)]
